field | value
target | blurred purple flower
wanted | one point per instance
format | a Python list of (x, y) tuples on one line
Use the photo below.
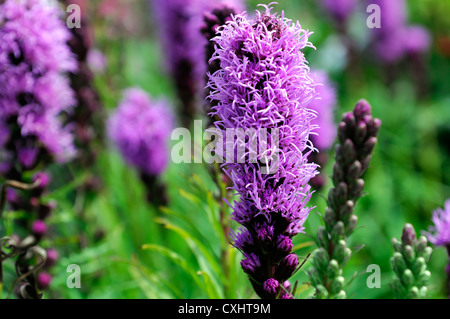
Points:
[(96, 60), (417, 39), (141, 128), (179, 23), (264, 83), (340, 9), (395, 38), (439, 233), (33, 89), (324, 104)]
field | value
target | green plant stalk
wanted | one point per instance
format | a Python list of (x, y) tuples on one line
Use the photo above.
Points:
[(357, 138)]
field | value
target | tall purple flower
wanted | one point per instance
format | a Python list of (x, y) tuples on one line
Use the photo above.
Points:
[(439, 233), (34, 92), (141, 128), (179, 23), (264, 84)]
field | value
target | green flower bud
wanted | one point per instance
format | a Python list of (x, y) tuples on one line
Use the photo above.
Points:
[(423, 291), (337, 232), (315, 277), (341, 192), (396, 244), (336, 285), (424, 278), (398, 264), (357, 189), (333, 269), (421, 244), (419, 266), (409, 254), (322, 237), (354, 171), (414, 293), (321, 292), (427, 253), (341, 295), (407, 278), (342, 253), (321, 259), (329, 218)]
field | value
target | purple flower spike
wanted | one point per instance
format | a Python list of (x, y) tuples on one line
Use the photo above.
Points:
[(34, 91), (439, 233), (141, 128), (264, 83)]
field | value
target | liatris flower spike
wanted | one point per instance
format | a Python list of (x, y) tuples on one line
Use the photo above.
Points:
[(34, 91), (409, 263), (264, 84), (141, 128), (357, 138), (439, 234)]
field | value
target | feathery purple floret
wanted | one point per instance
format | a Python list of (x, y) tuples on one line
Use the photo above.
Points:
[(34, 92), (141, 129), (264, 83), (439, 233)]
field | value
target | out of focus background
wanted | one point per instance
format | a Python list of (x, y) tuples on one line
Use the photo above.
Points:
[(131, 246)]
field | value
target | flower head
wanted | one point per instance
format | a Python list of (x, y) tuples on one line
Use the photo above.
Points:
[(439, 233), (141, 128), (264, 84), (34, 92)]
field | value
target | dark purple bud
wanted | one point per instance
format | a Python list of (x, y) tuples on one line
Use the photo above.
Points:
[(250, 264), (362, 109), (284, 244), (52, 257), (286, 292), (349, 151), (39, 228), (354, 171), (342, 192), (286, 267), (265, 234), (408, 235), (349, 119), (342, 132), (357, 189), (44, 180), (360, 132), (374, 127), (271, 287), (368, 146), (338, 174), (44, 280)]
